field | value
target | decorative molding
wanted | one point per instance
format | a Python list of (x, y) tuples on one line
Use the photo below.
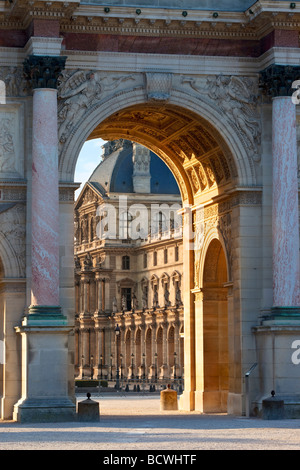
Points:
[(277, 80), (43, 71), (43, 46), (158, 86), (12, 192)]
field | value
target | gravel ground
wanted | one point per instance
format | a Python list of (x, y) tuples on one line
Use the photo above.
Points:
[(136, 424)]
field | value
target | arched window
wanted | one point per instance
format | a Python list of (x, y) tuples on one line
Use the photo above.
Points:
[(125, 262)]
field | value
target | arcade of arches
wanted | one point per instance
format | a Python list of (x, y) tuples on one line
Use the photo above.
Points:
[(206, 94)]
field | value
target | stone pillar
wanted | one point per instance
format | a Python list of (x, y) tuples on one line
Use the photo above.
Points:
[(176, 345), (277, 81), (187, 399), (276, 336), (285, 214), (99, 292), (164, 368), (44, 330), (85, 281)]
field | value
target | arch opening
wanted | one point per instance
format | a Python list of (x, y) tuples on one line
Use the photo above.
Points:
[(204, 168), (191, 147), (215, 329)]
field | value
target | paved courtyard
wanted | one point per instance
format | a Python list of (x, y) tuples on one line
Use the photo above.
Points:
[(131, 423)]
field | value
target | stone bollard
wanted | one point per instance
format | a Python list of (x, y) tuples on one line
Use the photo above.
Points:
[(273, 407), (88, 410), (168, 399)]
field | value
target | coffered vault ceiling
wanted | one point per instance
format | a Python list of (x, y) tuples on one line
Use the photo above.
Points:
[(195, 149)]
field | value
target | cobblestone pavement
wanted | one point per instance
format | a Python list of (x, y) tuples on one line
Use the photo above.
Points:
[(130, 423)]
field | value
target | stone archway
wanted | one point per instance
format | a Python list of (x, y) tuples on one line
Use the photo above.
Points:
[(215, 329), (208, 157), (190, 127)]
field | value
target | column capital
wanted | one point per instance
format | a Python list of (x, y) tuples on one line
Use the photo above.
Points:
[(43, 71), (277, 80)]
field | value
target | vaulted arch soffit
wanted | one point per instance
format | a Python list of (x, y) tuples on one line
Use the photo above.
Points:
[(207, 132)]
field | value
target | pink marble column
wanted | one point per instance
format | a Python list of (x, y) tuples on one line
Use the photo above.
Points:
[(45, 199), (285, 205)]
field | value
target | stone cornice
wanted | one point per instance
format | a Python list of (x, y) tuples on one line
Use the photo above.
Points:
[(253, 24), (119, 62)]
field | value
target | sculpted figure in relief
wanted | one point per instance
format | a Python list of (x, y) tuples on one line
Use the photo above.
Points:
[(12, 226), (14, 80), (77, 92), (238, 99), (7, 153)]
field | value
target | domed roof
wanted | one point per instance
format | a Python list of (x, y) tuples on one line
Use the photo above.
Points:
[(130, 168)]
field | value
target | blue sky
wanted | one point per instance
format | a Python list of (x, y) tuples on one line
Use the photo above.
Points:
[(89, 158)]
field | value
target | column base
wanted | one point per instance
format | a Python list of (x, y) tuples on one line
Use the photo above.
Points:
[(44, 314), (283, 316), (42, 410), (47, 381), (278, 364)]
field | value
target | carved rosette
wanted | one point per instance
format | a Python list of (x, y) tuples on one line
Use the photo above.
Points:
[(43, 71)]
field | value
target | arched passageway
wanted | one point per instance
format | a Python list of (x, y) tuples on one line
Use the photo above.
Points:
[(205, 169), (215, 329)]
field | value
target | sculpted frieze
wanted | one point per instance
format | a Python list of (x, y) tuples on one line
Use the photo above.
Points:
[(79, 91), (11, 141), (15, 82), (238, 100), (7, 148)]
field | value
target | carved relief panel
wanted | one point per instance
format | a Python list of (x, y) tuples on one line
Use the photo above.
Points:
[(13, 229), (11, 141)]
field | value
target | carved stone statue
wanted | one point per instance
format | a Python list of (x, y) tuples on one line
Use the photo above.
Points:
[(145, 298), (134, 302), (115, 306), (155, 297), (124, 303)]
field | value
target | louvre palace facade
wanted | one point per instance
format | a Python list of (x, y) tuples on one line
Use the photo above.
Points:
[(129, 310), (212, 89)]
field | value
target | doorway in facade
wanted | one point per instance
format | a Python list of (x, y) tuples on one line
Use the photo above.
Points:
[(215, 329)]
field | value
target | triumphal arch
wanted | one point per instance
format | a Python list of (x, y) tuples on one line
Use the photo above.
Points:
[(212, 89)]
